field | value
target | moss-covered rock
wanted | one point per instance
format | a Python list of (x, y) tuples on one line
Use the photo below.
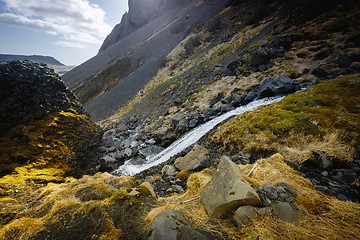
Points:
[(45, 135)]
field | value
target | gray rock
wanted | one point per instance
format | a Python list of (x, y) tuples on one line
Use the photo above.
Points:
[(111, 149), (181, 127), (109, 162), (178, 189), (225, 108), (167, 225), (161, 132), (285, 212), (193, 123), (102, 149), (128, 152), (188, 233), (244, 214), (175, 120), (227, 191), (150, 141), (193, 159), (168, 170), (122, 127), (172, 225)]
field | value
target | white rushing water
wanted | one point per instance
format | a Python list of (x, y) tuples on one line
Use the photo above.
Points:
[(190, 138)]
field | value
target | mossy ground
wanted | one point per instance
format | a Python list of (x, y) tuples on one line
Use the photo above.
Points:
[(40, 152), (324, 117), (93, 207)]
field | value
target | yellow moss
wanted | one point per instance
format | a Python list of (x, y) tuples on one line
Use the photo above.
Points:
[(23, 228)]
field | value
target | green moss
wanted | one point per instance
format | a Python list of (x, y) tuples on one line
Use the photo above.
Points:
[(331, 107)]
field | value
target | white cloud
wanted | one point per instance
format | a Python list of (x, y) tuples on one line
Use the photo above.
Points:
[(77, 22)]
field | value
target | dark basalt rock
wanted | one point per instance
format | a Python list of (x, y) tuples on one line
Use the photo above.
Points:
[(29, 91), (271, 87), (42, 121)]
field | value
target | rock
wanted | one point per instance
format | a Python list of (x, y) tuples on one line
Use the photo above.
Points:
[(147, 188), (193, 123), (111, 149), (225, 108), (276, 86), (187, 233), (161, 132), (119, 155), (182, 127), (216, 99), (193, 159), (322, 55), (178, 189), (227, 191), (259, 56), (150, 141), (166, 225), (285, 212), (321, 158), (271, 191), (102, 149), (175, 120), (108, 163), (172, 225), (168, 170), (121, 127), (128, 152), (244, 214), (209, 112)]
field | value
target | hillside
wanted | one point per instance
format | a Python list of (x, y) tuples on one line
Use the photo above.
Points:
[(284, 164)]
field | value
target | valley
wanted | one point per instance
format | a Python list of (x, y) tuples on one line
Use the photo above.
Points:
[(252, 107)]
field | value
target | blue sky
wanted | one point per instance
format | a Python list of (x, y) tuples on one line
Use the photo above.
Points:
[(72, 31)]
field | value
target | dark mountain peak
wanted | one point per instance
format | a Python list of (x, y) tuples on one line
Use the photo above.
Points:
[(140, 13)]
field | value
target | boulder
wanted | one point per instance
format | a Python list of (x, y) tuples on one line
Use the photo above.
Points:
[(244, 214), (193, 159), (181, 127), (168, 170), (108, 163), (172, 225), (161, 132), (275, 86), (285, 212), (175, 120), (227, 191)]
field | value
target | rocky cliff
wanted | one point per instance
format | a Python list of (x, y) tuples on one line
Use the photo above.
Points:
[(140, 13)]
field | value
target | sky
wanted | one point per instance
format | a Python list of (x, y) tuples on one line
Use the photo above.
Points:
[(71, 31)]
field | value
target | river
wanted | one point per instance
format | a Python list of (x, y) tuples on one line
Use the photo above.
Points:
[(131, 168)]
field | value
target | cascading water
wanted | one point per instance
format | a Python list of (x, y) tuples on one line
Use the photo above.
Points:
[(130, 168)]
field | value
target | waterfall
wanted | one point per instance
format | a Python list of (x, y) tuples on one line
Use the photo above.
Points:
[(129, 168)]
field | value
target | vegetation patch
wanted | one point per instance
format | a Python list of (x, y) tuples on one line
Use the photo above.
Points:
[(324, 117)]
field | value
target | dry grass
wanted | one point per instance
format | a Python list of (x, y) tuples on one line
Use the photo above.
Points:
[(326, 217)]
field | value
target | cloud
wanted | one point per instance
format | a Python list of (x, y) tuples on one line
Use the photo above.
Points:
[(77, 22)]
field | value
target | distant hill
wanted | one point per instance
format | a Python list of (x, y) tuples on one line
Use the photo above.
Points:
[(36, 58)]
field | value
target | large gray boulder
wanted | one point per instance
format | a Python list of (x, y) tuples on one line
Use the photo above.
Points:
[(227, 191), (193, 159), (172, 225)]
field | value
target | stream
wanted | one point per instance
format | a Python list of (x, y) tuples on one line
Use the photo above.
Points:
[(132, 167)]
